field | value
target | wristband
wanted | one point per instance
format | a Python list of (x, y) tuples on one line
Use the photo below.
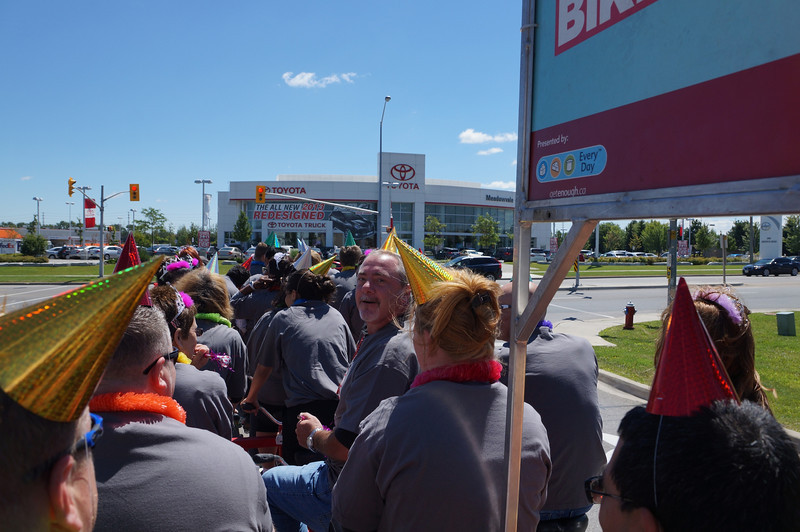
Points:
[(310, 440)]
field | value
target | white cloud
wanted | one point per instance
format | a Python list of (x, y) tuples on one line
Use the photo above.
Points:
[(490, 151), (514, 162), (470, 136), (309, 80), (26, 178), (503, 185)]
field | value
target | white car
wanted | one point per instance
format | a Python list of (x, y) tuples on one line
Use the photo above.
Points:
[(110, 252), (250, 252)]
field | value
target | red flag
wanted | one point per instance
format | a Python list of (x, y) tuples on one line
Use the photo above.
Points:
[(88, 209)]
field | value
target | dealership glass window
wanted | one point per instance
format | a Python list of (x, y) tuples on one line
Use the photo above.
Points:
[(459, 219), (403, 215)]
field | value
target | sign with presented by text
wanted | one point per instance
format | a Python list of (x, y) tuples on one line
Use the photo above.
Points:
[(653, 94)]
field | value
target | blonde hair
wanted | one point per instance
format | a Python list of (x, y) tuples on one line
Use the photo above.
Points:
[(208, 291), (462, 316)]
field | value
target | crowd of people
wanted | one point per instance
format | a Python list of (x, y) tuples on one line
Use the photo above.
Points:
[(389, 379)]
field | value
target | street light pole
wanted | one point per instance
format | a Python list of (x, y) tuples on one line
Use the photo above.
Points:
[(69, 219), (203, 202), (37, 199), (133, 225), (380, 171)]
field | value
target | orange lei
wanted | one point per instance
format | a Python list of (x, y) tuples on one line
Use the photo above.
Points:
[(138, 402)]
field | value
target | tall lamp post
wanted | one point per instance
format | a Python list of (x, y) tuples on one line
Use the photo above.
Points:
[(69, 219), (133, 225), (203, 202), (380, 171), (38, 200)]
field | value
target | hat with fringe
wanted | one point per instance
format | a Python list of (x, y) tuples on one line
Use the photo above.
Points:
[(53, 354)]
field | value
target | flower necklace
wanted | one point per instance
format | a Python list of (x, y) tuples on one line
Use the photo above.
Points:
[(138, 402), (213, 316), (487, 371)]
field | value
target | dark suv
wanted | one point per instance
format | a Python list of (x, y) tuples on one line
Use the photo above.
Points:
[(66, 252), (489, 267), (774, 266), (504, 253)]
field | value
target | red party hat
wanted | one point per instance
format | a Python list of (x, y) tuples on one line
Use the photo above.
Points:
[(246, 264), (128, 258), (690, 373)]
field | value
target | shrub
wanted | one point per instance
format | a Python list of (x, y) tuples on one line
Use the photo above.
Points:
[(34, 245)]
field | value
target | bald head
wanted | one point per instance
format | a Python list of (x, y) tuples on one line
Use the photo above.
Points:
[(505, 313)]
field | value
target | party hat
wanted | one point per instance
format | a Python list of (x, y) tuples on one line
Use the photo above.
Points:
[(421, 271), (690, 373), (301, 245), (349, 240), (52, 354), (213, 264), (388, 244), (303, 261), (246, 264), (128, 257), (323, 267), (272, 240)]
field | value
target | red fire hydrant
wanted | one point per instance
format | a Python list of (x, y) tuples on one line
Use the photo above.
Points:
[(630, 310)]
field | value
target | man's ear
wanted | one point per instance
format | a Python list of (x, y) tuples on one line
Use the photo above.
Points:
[(64, 512), (156, 380), (644, 520)]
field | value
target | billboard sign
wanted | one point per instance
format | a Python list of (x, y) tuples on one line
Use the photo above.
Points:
[(313, 217), (656, 95)]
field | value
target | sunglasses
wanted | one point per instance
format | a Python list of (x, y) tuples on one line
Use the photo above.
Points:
[(172, 355), (88, 441), (595, 493)]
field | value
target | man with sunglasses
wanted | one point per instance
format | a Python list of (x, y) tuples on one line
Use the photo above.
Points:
[(155, 473)]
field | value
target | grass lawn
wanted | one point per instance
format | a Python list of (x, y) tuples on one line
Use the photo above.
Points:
[(48, 273), (777, 361)]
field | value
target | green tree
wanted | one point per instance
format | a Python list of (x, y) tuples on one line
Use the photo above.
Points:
[(612, 237), (187, 235), (739, 237), (655, 237), (433, 233), (486, 231), (633, 232), (154, 223), (791, 235), (242, 230), (704, 238), (34, 245)]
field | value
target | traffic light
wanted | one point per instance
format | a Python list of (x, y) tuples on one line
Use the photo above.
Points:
[(261, 194), (71, 182), (134, 190)]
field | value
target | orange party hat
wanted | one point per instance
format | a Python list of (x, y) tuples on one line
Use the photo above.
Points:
[(246, 264), (421, 271), (323, 267), (52, 354), (128, 257), (690, 373)]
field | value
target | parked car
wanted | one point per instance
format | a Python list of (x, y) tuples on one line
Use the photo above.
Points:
[(111, 252), (538, 257), (66, 252), (774, 266), (446, 253), (166, 250), (52, 253), (504, 253), (230, 252), (489, 267), (250, 252)]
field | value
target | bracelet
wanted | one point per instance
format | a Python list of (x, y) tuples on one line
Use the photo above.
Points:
[(310, 440)]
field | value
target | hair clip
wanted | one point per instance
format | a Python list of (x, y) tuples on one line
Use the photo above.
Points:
[(732, 307)]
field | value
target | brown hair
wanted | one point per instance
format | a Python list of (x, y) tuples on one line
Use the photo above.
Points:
[(734, 341), (350, 255), (164, 297), (208, 291), (462, 316)]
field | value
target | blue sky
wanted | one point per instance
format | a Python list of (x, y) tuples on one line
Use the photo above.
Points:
[(163, 93)]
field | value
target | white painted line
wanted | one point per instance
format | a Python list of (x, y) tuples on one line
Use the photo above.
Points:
[(582, 311)]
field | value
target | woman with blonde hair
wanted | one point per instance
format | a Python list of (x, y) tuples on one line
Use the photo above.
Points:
[(433, 458), (726, 320)]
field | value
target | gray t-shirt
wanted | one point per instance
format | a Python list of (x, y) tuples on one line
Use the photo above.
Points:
[(385, 366), (154, 473), (433, 459), (349, 311), (203, 396), (223, 339), (252, 306), (312, 345), (272, 392), (345, 281), (561, 384)]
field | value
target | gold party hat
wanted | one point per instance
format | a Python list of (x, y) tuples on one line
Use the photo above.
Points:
[(52, 354), (421, 271), (388, 244), (323, 267)]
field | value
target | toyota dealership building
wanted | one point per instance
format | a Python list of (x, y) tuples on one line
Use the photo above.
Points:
[(351, 202)]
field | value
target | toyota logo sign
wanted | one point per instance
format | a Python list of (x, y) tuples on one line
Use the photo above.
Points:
[(403, 172)]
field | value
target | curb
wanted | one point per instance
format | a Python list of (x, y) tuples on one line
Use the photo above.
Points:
[(641, 391)]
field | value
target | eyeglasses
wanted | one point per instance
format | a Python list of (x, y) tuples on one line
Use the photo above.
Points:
[(88, 441), (595, 493), (172, 355)]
